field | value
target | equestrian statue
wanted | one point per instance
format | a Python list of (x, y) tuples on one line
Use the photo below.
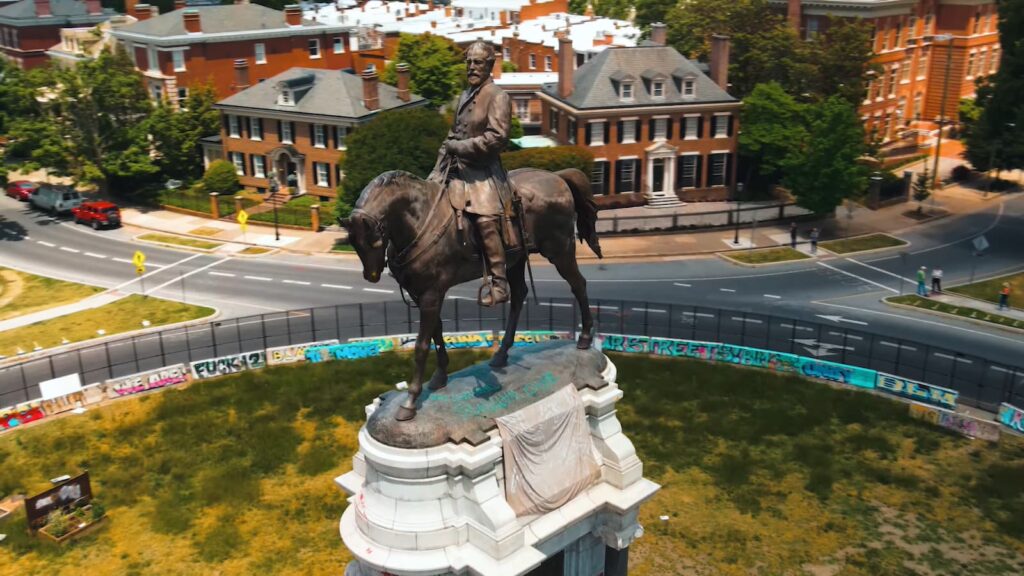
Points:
[(470, 219)]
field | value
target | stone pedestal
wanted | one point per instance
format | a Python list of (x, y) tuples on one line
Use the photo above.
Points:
[(434, 504)]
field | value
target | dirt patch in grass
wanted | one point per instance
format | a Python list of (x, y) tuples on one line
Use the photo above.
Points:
[(206, 231), (766, 255), (254, 250), (123, 315), (26, 293), (180, 241), (962, 311), (989, 289), (862, 243), (761, 474)]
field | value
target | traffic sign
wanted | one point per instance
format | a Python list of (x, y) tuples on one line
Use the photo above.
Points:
[(980, 243), (243, 217), (140, 270), (138, 259)]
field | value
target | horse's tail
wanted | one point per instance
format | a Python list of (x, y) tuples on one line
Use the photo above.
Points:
[(586, 208)]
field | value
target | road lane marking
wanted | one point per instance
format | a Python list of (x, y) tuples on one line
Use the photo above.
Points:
[(72, 250), (892, 345), (186, 275), (772, 296), (845, 335), (948, 357), (614, 308), (556, 304), (726, 290), (94, 255), (861, 278), (655, 310), (137, 278), (299, 282), (683, 285), (698, 314), (47, 244), (125, 260), (793, 327), (751, 320), (340, 287), (921, 320), (224, 274), (1004, 370), (379, 290), (877, 269), (260, 278)]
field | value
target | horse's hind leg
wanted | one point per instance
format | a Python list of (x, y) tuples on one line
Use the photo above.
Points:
[(517, 282), (566, 265)]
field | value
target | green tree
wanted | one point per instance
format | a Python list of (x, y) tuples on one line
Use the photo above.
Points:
[(922, 188), (552, 159), (437, 73), (824, 169), (691, 23), (772, 54), (651, 11), (221, 178), (842, 56), (773, 130), (516, 130), (396, 140), (176, 134)]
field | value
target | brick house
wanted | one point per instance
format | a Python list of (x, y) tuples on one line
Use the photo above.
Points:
[(655, 122), (28, 28), (192, 46), (905, 100), (296, 122)]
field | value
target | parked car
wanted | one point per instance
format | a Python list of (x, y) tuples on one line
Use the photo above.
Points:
[(55, 199), (97, 215), (21, 189)]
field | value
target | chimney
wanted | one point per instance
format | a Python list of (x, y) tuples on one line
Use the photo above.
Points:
[(793, 14), (403, 81), (129, 7), (180, 4), (241, 74), (43, 8), (658, 33), (92, 7), (191, 19), (293, 15), (496, 69), (447, 11), (144, 11), (241, 1), (433, 23), (370, 99), (503, 18), (719, 65), (566, 64)]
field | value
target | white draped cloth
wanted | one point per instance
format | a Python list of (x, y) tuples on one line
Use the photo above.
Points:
[(548, 453)]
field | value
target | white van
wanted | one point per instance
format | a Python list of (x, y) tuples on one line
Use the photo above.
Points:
[(55, 199)]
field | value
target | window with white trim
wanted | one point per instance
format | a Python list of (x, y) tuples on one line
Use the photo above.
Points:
[(260, 52), (626, 91), (522, 108), (689, 88), (628, 131), (598, 176), (255, 128), (970, 64), (657, 89), (893, 74), (688, 171), (340, 133), (259, 168), (234, 126), (314, 49), (720, 128), (912, 27), (691, 124), (922, 64), (238, 159), (885, 39), (339, 44), (905, 69), (153, 59), (627, 175), (182, 97), (287, 135), (553, 120), (319, 136), (178, 57), (660, 128), (993, 61), (547, 63), (323, 174), (597, 133), (917, 106), (284, 98), (533, 61), (570, 129), (977, 23), (506, 54), (929, 20), (718, 164)]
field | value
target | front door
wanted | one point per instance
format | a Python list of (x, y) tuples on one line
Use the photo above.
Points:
[(658, 176)]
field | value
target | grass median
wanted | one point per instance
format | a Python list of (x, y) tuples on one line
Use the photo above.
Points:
[(761, 474), (766, 255), (862, 243), (124, 315), (22, 293), (962, 311), (988, 290), (180, 241)]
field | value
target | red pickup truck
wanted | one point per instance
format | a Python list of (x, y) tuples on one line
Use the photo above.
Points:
[(97, 214)]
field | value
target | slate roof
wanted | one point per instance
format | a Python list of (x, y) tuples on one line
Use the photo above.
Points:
[(217, 20), (23, 13), (333, 93), (595, 82)]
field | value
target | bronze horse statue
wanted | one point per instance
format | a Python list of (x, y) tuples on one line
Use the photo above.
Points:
[(408, 224)]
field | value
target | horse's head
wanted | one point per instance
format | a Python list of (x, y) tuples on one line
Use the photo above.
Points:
[(367, 235)]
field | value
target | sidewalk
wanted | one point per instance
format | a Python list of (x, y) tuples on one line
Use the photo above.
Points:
[(982, 305)]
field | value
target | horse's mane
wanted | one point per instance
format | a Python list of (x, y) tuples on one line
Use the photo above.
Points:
[(392, 181)]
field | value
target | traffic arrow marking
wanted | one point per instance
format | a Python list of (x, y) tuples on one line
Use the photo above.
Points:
[(819, 349), (838, 319)]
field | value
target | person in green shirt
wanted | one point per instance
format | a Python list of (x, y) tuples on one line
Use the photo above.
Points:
[(921, 274)]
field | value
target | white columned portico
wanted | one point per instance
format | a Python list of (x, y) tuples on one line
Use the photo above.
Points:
[(661, 194)]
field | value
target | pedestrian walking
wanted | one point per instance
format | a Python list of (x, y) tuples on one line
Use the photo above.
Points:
[(792, 235), (936, 280), (921, 274), (1004, 296), (814, 240)]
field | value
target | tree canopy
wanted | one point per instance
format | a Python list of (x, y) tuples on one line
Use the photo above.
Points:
[(773, 131), (437, 71), (176, 134)]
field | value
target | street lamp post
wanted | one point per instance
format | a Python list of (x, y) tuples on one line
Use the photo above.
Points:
[(273, 192), (942, 105), (736, 235)]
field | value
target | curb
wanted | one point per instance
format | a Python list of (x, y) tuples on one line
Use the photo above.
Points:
[(948, 315), (208, 239), (905, 244), (138, 238), (725, 256)]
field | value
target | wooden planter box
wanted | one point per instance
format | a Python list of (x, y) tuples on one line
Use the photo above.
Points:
[(75, 533)]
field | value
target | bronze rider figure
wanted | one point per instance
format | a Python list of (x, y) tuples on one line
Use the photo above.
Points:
[(469, 163)]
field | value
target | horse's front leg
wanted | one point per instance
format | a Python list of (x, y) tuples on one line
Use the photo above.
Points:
[(430, 316), (517, 279), (440, 378)]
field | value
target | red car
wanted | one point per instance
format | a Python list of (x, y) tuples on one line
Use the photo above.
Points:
[(21, 189), (97, 214)]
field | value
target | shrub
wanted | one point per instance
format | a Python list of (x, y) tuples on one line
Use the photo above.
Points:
[(962, 173), (221, 178), (3, 176), (98, 511), (552, 159), (57, 523)]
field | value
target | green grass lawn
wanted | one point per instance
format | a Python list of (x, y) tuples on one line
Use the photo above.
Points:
[(343, 247), (766, 255), (862, 243), (22, 293), (989, 289), (123, 315), (180, 241), (992, 316), (254, 250), (761, 474)]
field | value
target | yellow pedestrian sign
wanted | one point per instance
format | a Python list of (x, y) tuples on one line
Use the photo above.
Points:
[(243, 217), (138, 259), (140, 270)]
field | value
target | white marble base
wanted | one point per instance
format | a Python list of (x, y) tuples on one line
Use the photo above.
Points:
[(442, 511)]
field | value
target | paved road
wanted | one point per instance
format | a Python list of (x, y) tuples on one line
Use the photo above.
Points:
[(841, 291)]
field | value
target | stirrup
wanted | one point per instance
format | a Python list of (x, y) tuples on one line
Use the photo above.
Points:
[(488, 284)]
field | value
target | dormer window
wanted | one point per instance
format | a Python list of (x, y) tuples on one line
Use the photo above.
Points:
[(285, 98), (658, 89), (689, 87), (626, 91)]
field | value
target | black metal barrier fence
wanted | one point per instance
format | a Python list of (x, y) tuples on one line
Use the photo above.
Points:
[(981, 382)]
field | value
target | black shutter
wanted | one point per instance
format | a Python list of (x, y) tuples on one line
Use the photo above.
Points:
[(700, 126), (588, 134), (259, 122), (244, 164), (243, 126), (728, 126), (668, 128), (618, 131), (227, 126), (606, 168), (650, 130), (618, 175), (727, 177), (607, 128), (698, 183), (637, 179)]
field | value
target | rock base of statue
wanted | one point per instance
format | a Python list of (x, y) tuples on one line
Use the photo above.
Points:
[(433, 496)]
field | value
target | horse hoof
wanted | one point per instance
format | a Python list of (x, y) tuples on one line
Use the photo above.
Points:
[(584, 342), (438, 380), (500, 360), (404, 414)]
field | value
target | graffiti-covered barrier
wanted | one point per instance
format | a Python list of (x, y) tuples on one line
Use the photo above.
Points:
[(955, 421), (1011, 417), (231, 364), (462, 340), (148, 380)]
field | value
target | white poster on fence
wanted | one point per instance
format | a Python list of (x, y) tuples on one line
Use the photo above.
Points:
[(62, 386)]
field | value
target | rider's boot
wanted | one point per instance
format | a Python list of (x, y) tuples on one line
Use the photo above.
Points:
[(494, 255)]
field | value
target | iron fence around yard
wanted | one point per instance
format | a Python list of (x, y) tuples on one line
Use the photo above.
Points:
[(609, 222), (981, 382)]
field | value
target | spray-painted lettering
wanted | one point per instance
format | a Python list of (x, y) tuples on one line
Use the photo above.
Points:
[(919, 391), (228, 364), (1011, 417)]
